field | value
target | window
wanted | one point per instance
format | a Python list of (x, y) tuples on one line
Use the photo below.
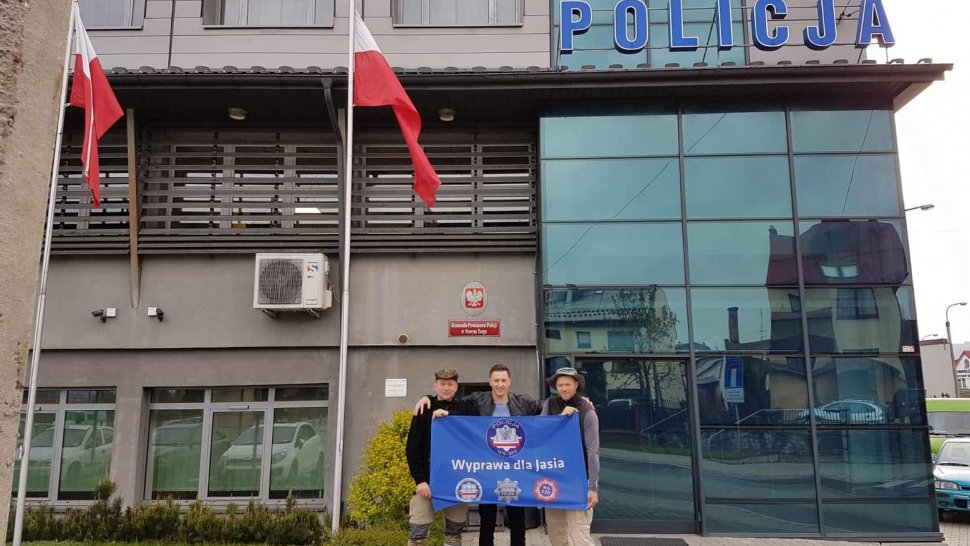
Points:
[(553, 334), (268, 13), (460, 13), (211, 446), (738, 187), (857, 303), (112, 13), (74, 433), (583, 340)]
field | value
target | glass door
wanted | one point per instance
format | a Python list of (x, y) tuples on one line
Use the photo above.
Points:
[(646, 460)]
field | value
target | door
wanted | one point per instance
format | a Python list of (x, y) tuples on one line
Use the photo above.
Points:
[(646, 459)]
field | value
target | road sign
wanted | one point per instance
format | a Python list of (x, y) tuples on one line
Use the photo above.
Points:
[(734, 380)]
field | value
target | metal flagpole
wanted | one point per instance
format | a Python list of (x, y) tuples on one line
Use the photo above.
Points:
[(18, 528), (344, 275)]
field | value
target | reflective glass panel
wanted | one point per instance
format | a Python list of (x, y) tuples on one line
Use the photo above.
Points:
[(605, 254), (734, 132), (887, 463), (240, 395), (761, 518), (742, 253), (856, 319), (44, 396), (85, 452), (742, 463), (841, 131), (299, 447), (41, 455), (747, 319), (643, 320), (628, 189), (661, 54), (103, 396), (694, 11), (235, 453), (854, 251), (175, 396), (620, 135), (868, 390), (847, 185), (752, 391), (738, 187), (288, 394), (883, 518), (174, 453), (645, 432)]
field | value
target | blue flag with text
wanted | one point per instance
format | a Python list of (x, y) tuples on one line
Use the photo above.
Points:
[(515, 461)]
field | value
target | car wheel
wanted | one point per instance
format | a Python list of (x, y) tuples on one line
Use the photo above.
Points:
[(942, 514)]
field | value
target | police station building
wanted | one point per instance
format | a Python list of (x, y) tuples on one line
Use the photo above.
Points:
[(697, 203)]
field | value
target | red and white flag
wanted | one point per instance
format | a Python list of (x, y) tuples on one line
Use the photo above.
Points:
[(90, 90), (376, 85)]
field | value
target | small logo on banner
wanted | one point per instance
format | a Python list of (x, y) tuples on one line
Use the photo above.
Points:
[(507, 490), (468, 490), (505, 437), (546, 490)]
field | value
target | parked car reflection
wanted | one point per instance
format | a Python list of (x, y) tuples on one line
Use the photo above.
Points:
[(297, 453)]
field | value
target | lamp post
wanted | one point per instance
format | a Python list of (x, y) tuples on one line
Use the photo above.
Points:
[(929, 335), (949, 339), (928, 206)]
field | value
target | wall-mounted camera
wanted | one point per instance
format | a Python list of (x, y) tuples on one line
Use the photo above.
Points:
[(105, 313), (156, 312)]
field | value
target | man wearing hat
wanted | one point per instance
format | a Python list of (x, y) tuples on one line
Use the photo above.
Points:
[(418, 453), (571, 527)]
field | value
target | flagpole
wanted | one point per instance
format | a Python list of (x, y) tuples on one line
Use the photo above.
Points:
[(18, 528), (344, 275)]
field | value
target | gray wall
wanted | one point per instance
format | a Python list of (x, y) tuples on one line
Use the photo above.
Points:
[(208, 303), (937, 366)]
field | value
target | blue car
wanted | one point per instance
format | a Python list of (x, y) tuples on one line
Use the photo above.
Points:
[(952, 476)]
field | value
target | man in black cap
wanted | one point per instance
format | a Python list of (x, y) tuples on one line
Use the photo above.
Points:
[(418, 453), (571, 527)]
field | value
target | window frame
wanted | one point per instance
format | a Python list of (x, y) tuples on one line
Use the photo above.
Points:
[(212, 15), (209, 409), (135, 17), (397, 9)]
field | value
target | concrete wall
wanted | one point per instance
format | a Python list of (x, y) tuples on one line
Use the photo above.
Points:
[(937, 368), (32, 47), (184, 41), (208, 303)]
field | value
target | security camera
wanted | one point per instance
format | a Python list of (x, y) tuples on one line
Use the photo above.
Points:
[(161, 315), (157, 313), (99, 313)]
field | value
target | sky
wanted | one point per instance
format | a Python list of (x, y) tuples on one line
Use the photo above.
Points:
[(933, 148)]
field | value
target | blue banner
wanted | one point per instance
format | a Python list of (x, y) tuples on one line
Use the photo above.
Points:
[(515, 461)]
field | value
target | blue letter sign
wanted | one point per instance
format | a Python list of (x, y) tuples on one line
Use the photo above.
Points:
[(567, 25), (763, 38), (873, 23), (641, 25), (515, 461), (677, 38), (824, 34)]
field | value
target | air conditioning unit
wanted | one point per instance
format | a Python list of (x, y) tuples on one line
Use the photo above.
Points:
[(292, 282)]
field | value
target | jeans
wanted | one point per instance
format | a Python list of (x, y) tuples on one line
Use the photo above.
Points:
[(515, 519)]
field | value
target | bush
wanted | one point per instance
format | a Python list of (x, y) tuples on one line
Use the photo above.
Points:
[(382, 490), (371, 536)]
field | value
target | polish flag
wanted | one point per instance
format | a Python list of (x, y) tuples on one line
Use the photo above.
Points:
[(90, 90), (376, 85)]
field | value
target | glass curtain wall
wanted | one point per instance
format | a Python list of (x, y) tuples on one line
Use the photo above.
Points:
[(210, 443), (73, 433), (766, 247)]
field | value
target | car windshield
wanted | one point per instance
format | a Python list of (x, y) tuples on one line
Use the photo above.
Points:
[(74, 436), (949, 422), (44, 438), (177, 436), (954, 454), (282, 434)]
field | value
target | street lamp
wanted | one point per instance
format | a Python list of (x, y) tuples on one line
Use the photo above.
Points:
[(929, 335), (928, 206), (949, 339)]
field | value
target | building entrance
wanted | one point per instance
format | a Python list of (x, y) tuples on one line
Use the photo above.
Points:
[(647, 471)]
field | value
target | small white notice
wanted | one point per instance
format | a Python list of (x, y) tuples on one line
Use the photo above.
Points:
[(395, 388)]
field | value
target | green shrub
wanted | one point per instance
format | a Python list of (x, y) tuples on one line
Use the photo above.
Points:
[(382, 490), (371, 536), (200, 524), (155, 521)]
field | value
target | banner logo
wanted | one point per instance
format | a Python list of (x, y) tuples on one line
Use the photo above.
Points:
[(505, 437), (546, 490), (469, 490), (507, 490)]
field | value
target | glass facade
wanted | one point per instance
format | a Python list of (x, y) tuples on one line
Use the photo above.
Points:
[(735, 285), (209, 443), (73, 432)]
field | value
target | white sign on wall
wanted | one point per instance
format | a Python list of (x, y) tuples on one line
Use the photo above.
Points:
[(395, 388)]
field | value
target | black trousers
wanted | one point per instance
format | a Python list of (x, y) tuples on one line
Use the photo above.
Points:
[(516, 523)]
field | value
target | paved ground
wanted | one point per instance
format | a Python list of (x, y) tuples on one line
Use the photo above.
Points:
[(957, 530)]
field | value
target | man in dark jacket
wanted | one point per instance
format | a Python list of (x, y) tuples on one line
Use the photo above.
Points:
[(499, 402), (418, 453)]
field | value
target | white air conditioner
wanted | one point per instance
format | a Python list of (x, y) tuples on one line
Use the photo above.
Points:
[(292, 282)]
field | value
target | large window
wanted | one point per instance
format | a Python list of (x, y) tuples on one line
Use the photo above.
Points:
[(112, 13), (73, 433), (268, 13), (460, 13), (210, 443)]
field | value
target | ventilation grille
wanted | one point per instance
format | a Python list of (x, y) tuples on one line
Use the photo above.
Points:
[(280, 282)]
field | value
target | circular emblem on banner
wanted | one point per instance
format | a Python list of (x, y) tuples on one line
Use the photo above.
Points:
[(505, 437), (546, 490), (468, 490), (474, 298), (507, 490)]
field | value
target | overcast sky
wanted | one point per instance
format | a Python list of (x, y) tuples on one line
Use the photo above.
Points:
[(934, 144)]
